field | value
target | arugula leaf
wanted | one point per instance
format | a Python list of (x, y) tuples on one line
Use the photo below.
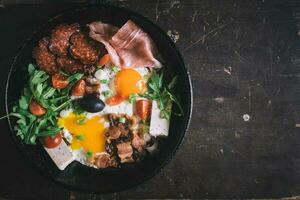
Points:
[(23, 103), (173, 82), (31, 68), (162, 93), (49, 92), (39, 89), (51, 132), (29, 127), (75, 77), (38, 77), (21, 121)]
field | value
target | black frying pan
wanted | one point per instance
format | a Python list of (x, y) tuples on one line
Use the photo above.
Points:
[(80, 177)]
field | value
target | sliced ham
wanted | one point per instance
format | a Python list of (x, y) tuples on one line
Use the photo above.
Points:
[(128, 46)]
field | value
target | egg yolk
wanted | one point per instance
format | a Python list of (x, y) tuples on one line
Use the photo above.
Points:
[(87, 133), (129, 81)]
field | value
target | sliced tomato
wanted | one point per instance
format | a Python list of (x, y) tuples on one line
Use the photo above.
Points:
[(115, 100), (59, 81), (143, 108), (79, 88), (52, 142), (104, 60), (36, 109)]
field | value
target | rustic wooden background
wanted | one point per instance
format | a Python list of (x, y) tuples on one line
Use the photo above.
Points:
[(244, 61)]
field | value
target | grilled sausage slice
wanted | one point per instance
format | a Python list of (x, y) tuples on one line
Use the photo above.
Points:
[(83, 49), (59, 38), (44, 58)]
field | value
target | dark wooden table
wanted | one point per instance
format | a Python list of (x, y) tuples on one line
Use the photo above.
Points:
[(243, 57)]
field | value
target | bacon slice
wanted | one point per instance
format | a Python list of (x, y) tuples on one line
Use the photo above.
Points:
[(128, 47), (101, 160), (138, 142), (124, 151)]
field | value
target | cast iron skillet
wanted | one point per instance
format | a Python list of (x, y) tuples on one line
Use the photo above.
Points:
[(77, 176)]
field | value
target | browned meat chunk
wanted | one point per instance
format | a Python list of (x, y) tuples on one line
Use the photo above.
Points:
[(44, 58), (138, 142), (89, 69), (69, 65), (59, 38), (125, 151), (92, 86), (114, 119), (102, 160), (83, 50), (114, 132)]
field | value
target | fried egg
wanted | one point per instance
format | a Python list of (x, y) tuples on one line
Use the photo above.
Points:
[(127, 82), (123, 82), (87, 133)]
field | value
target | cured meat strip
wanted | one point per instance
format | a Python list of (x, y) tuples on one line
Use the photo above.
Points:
[(128, 47)]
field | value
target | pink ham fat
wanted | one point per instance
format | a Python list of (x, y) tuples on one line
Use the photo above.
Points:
[(128, 46)]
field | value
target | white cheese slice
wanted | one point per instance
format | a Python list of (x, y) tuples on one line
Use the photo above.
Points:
[(158, 126), (61, 155)]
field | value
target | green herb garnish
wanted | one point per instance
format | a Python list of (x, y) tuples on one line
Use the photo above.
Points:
[(89, 154), (122, 120), (79, 137), (82, 120), (132, 98), (104, 81), (107, 93), (115, 69)]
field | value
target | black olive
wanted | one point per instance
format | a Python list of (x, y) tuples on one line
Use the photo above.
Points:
[(91, 103)]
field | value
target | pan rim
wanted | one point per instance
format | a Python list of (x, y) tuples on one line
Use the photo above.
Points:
[(187, 118)]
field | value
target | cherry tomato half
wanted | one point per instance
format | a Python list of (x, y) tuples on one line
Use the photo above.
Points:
[(79, 88), (36, 109), (143, 108), (104, 60), (59, 81), (52, 142), (115, 100)]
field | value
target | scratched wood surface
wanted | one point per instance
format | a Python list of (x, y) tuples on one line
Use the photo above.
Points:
[(243, 57)]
